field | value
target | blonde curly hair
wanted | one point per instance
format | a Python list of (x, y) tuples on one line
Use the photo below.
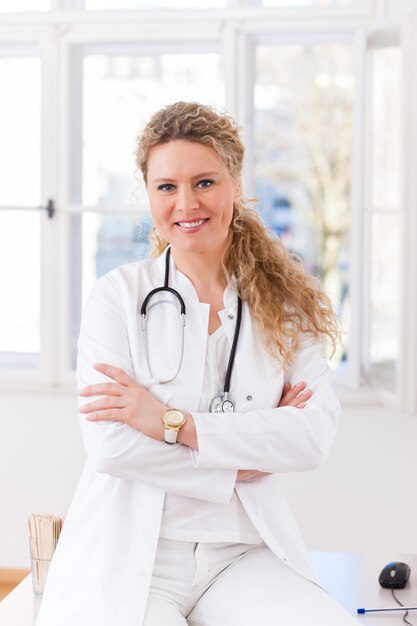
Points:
[(284, 300)]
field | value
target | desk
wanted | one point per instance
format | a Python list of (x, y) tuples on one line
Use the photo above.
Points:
[(351, 578)]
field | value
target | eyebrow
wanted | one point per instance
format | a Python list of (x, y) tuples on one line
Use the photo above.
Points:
[(172, 180)]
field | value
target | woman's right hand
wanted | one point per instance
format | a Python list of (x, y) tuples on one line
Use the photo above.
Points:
[(291, 396)]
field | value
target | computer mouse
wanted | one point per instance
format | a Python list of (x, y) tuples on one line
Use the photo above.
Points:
[(394, 575)]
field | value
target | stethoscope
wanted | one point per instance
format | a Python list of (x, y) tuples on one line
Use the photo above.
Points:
[(222, 402)]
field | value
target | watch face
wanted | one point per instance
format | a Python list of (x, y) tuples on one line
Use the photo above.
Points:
[(174, 418)]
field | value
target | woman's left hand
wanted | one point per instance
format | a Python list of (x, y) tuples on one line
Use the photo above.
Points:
[(295, 395), (124, 401)]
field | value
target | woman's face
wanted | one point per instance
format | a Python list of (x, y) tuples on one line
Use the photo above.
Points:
[(191, 195)]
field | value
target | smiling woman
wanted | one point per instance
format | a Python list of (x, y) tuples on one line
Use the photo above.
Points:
[(174, 533)]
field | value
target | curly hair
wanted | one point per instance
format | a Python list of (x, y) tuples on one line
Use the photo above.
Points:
[(284, 300)]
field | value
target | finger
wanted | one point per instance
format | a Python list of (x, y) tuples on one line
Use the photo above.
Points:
[(106, 416), (286, 388), (306, 395), (116, 373), (292, 393), (103, 404), (301, 398), (107, 389)]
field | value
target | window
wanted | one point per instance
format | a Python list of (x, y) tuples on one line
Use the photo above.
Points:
[(303, 147), (121, 88), (384, 218), (20, 221), (154, 4), (295, 3), (325, 155), (20, 106), (24, 5)]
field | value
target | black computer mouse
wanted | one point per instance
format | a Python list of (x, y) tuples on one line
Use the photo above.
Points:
[(394, 575)]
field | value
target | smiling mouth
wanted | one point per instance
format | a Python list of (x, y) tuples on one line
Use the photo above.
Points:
[(194, 224)]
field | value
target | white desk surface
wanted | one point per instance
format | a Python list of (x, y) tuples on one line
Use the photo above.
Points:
[(351, 578)]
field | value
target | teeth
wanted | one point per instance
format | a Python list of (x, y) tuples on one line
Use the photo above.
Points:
[(191, 224)]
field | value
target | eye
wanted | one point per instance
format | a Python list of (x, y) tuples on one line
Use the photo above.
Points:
[(204, 184), (166, 187)]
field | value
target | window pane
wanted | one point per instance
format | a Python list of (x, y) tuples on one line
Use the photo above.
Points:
[(20, 119), (108, 241), (120, 94), (303, 138), (305, 3), (384, 314), (20, 285), (386, 128), (24, 5), (101, 242), (154, 4)]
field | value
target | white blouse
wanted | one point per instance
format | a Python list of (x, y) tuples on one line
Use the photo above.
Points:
[(191, 519)]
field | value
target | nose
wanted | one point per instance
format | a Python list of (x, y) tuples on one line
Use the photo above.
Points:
[(186, 199)]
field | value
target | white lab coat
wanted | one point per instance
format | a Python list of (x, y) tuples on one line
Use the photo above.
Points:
[(102, 567)]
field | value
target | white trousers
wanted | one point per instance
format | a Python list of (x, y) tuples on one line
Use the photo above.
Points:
[(234, 584)]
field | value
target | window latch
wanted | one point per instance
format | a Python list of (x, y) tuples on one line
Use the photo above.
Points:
[(50, 208)]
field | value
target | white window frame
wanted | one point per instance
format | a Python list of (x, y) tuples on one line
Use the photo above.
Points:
[(403, 30)]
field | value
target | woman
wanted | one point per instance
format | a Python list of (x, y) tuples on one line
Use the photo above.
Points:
[(196, 531)]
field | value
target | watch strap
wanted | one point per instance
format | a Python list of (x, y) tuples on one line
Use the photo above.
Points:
[(170, 435)]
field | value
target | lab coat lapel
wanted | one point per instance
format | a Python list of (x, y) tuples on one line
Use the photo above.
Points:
[(251, 391), (180, 392)]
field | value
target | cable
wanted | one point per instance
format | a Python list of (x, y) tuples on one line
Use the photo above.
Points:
[(401, 604)]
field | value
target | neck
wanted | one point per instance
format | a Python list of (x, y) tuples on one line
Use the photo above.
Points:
[(203, 269)]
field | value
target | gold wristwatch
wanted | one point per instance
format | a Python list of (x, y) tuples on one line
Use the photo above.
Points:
[(173, 419)]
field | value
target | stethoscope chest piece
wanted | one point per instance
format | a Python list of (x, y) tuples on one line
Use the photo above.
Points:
[(221, 404)]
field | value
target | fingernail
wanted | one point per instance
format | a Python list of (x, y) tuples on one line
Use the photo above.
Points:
[(97, 364)]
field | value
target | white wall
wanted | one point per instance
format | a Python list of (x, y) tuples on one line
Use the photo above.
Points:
[(362, 499), (41, 457)]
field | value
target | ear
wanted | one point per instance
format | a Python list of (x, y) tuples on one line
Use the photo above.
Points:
[(238, 189)]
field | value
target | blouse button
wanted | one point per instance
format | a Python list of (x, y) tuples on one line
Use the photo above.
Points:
[(248, 398), (231, 317)]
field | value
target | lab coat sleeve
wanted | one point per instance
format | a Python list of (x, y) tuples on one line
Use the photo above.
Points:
[(116, 448), (284, 439)]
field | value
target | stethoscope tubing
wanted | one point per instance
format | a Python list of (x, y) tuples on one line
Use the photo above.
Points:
[(164, 288), (222, 402), (229, 370)]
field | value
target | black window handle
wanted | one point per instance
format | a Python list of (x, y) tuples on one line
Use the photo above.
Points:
[(50, 208)]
